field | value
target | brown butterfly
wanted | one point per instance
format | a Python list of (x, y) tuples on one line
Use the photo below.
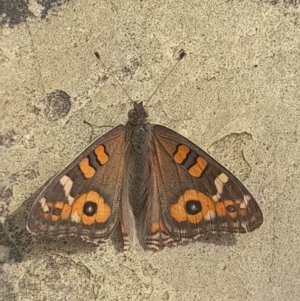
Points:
[(146, 178)]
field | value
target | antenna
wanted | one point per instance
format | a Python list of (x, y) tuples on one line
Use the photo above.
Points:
[(99, 58), (180, 55)]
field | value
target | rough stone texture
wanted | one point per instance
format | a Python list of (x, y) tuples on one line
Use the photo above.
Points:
[(236, 94)]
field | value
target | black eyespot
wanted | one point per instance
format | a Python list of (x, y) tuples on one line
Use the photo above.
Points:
[(56, 211), (89, 208), (231, 208), (193, 207)]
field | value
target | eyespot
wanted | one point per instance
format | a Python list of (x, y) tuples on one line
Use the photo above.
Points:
[(56, 211), (231, 208), (89, 208), (193, 207)]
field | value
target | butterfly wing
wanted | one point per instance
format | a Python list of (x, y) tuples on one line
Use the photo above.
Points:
[(84, 198), (192, 194)]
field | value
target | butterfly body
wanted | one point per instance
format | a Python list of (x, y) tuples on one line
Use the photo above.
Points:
[(147, 179)]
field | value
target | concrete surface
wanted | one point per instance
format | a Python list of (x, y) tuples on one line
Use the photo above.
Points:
[(236, 94)]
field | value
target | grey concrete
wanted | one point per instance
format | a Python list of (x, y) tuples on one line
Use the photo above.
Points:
[(236, 94)]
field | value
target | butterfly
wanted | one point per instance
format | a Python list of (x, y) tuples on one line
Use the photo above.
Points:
[(148, 181)]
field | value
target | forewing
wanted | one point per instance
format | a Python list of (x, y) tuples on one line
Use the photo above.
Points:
[(84, 198), (194, 193)]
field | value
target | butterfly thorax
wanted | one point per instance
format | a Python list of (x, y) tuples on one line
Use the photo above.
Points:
[(138, 129)]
